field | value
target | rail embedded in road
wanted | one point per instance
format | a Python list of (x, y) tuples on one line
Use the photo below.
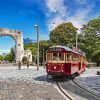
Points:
[(67, 95), (87, 91)]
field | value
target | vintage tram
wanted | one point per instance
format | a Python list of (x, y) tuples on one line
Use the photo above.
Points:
[(61, 60)]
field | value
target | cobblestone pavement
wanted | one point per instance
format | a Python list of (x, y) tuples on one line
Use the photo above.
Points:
[(90, 80), (26, 84)]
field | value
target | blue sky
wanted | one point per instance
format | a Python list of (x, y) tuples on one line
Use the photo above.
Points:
[(24, 14)]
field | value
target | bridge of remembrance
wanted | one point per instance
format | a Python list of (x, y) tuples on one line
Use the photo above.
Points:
[(18, 38)]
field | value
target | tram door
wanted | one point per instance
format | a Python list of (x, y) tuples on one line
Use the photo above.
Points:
[(80, 63)]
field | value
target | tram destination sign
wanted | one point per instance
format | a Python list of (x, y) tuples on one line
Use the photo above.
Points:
[(55, 49)]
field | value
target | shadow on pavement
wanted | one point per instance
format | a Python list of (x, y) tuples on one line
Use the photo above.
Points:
[(52, 79)]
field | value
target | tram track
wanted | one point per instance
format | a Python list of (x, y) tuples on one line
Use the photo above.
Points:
[(87, 91), (71, 90), (68, 96), (60, 89)]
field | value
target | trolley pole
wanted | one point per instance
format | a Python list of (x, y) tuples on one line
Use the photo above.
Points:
[(37, 29), (43, 59), (76, 40)]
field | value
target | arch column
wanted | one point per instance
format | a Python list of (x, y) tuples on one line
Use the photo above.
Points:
[(19, 48)]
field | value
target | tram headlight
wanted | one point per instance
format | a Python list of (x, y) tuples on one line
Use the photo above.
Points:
[(62, 70)]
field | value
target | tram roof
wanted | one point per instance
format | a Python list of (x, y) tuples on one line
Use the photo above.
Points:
[(69, 49), (64, 47)]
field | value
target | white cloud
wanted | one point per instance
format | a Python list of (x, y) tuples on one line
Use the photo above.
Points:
[(56, 12), (4, 51), (54, 22), (80, 16), (82, 2), (56, 6)]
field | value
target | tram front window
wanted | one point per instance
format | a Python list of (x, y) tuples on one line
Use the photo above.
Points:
[(55, 57), (61, 56), (58, 56), (49, 57)]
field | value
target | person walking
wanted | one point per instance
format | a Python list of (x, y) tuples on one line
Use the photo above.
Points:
[(19, 65), (28, 64)]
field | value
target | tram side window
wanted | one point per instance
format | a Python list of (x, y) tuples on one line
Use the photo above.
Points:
[(68, 57), (49, 57), (75, 58), (61, 56)]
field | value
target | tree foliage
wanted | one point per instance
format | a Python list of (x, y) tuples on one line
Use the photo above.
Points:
[(7, 57), (11, 56), (63, 34), (44, 45), (90, 39), (1, 58), (33, 48)]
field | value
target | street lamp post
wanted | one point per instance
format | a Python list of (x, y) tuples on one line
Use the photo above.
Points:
[(37, 29)]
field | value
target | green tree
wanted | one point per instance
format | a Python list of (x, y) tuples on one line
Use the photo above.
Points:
[(1, 58), (12, 55), (7, 57), (44, 45), (33, 48), (63, 34), (90, 40)]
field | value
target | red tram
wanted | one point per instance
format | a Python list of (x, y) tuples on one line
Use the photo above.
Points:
[(61, 60)]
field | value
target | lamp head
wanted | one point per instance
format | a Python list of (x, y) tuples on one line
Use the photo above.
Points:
[(35, 25)]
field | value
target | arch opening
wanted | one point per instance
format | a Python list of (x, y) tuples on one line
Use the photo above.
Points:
[(7, 48)]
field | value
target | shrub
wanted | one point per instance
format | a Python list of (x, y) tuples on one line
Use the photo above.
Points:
[(24, 60)]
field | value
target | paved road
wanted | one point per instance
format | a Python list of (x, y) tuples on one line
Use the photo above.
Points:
[(26, 84), (88, 80)]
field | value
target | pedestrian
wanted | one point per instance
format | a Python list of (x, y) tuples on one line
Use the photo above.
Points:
[(27, 64), (19, 65)]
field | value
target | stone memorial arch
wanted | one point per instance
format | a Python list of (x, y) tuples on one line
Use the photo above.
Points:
[(18, 38)]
